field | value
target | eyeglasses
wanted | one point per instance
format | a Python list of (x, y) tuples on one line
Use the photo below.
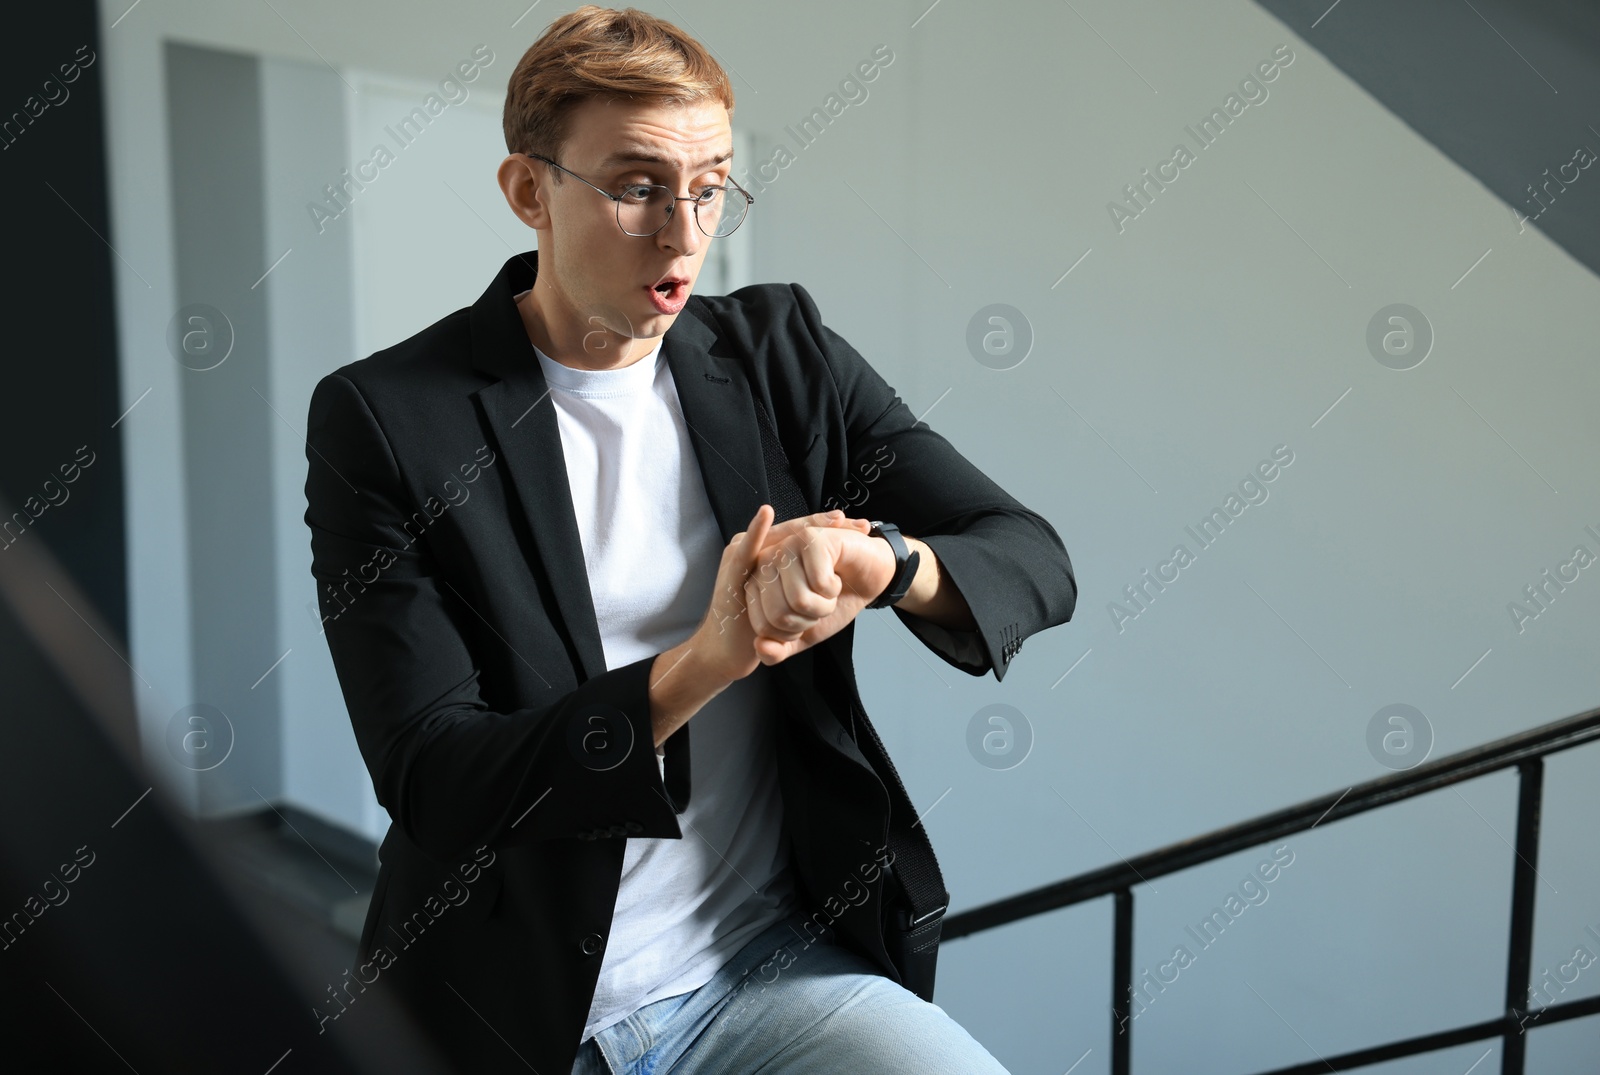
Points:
[(644, 208)]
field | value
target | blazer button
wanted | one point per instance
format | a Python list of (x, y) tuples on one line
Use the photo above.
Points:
[(591, 944)]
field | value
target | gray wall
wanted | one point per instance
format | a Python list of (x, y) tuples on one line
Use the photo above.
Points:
[(250, 138), (311, 312), (1230, 318), (219, 236)]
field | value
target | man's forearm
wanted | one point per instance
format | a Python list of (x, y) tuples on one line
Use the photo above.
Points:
[(933, 596), (679, 686)]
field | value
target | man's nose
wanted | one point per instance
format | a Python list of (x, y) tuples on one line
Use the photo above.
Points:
[(682, 232)]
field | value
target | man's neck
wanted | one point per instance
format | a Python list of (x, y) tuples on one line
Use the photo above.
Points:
[(597, 348)]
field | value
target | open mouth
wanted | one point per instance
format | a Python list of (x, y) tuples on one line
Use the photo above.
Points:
[(669, 294)]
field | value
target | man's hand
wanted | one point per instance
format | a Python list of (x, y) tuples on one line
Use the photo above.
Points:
[(726, 639), (810, 584), (848, 573)]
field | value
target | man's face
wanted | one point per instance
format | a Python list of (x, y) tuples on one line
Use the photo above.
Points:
[(605, 279)]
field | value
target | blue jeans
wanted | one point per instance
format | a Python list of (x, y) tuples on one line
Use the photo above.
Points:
[(783, 1007)]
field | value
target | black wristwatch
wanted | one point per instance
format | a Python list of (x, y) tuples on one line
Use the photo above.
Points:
[(905, 564)]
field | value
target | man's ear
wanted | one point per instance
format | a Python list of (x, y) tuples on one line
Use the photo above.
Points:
[(522, 181)]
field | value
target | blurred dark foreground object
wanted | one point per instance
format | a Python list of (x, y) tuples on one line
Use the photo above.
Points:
[(123, 944)]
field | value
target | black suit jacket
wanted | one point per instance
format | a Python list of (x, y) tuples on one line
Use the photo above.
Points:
[(512, 762)]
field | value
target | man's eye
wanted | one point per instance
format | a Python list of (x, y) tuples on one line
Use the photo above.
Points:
[(641, 192)]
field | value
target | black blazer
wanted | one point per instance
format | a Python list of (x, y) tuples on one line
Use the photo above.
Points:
[(513, 764)]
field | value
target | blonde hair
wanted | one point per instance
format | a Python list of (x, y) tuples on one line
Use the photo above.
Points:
[(601, 52)]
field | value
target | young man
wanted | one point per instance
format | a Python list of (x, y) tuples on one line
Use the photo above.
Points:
[(545, 539)]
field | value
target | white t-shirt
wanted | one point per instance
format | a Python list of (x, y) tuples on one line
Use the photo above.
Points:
[(651, 546)]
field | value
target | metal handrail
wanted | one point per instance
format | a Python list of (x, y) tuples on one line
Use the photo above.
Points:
[(1525, 750)]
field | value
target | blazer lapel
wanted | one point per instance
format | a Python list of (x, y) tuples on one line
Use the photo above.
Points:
[(720, 414), (522, 418)]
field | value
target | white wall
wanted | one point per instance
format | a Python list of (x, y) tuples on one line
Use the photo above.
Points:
[(313, 315), (1228, 319)]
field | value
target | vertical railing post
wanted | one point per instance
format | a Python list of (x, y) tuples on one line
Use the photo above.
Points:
[(1122, 983), (1525, 874)]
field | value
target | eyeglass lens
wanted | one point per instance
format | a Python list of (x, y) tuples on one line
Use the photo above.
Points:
[(644, 210)]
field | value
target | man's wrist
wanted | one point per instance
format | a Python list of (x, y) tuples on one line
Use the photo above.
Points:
[(933, 596), (926, 579), (681, 682)]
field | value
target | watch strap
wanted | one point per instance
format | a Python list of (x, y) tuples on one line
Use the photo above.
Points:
[(905, 563)]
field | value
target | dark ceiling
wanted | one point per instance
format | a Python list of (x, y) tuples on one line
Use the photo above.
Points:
[(1508, 90)]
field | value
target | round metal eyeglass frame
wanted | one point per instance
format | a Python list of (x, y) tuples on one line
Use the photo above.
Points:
[(728, 192)]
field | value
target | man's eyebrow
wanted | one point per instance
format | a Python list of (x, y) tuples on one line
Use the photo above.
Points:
[(645, 155)]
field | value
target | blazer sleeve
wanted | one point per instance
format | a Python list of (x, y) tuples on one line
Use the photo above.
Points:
[(454, 774), (1007, 561)]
